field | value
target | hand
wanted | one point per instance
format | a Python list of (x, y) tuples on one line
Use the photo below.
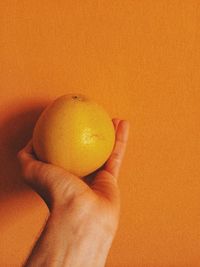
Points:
[(82, 209)]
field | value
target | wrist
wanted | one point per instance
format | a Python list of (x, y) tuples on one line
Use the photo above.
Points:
[(81, 244)]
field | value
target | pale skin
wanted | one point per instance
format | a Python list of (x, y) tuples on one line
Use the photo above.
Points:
[(84, 213)]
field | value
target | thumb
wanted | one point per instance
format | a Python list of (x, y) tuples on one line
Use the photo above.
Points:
[(54, 184)]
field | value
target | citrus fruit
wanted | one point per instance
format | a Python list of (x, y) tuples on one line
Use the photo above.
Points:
[(75, 133)]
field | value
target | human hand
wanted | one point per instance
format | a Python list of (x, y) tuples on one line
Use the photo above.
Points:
[(78, 205)]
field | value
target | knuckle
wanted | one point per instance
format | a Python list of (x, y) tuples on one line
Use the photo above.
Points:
[(116, 156)]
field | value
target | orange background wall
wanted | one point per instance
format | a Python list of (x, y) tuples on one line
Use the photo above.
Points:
[(141, 61)]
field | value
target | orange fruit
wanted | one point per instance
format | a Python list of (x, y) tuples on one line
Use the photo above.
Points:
[(75, 133)]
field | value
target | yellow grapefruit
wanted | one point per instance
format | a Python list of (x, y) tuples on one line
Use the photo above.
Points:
[(75, 133)]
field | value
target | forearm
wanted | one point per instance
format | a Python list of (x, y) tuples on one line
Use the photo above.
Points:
[(60, 246)]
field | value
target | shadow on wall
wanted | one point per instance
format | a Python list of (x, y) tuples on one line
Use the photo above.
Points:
[(15, 131), (23, 213)]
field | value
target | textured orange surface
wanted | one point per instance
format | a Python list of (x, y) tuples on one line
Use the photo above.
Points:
[(141, 61)]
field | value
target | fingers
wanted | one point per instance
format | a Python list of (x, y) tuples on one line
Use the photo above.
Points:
[(113, 164), (29, 147), (26, 153), (49, 181), (116, 123), (36, 174), (33, 170)]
